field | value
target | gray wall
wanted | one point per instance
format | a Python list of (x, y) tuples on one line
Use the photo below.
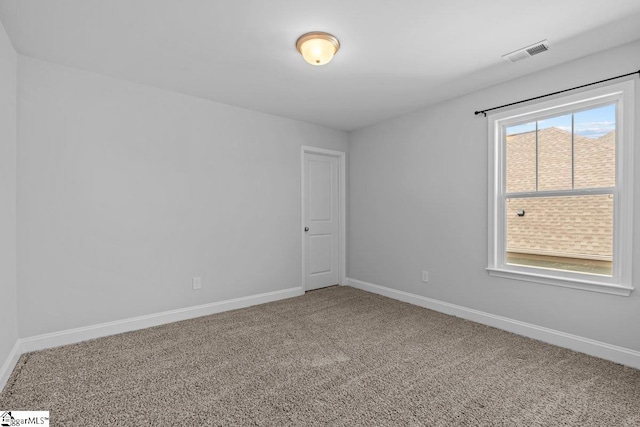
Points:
[(8, 290), (418, 201), (127, 191)]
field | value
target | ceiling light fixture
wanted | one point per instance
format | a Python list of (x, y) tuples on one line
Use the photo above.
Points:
[(317, 48)]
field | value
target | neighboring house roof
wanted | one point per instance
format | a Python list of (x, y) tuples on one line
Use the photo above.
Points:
[(579, 227)]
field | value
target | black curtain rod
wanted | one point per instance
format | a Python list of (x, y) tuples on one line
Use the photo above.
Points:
[(555, 93)]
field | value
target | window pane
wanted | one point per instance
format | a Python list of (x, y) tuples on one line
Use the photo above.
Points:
[(555, 154), (595, 147), (521, 158), (573, 233)]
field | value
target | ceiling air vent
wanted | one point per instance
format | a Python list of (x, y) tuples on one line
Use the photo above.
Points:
[(526, 52)]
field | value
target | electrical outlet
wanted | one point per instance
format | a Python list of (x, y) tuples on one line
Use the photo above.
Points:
[(425, 276), (197, 283)]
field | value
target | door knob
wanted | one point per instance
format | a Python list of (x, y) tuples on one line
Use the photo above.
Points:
[(306, 229)]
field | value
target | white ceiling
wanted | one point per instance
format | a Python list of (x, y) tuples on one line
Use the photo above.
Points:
[(396, 55)]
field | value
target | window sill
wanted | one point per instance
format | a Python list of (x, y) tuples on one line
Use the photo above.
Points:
[(545, 279)]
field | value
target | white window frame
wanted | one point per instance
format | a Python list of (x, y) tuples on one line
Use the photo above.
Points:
[(620, 283)]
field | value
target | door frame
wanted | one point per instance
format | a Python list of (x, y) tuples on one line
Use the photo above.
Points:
[(342, 210)]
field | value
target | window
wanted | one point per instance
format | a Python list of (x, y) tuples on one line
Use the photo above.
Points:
[(560, 191)]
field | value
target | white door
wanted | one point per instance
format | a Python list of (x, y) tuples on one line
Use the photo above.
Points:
[(321, 221)]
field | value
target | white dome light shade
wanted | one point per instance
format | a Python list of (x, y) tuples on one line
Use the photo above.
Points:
[(317, 48)]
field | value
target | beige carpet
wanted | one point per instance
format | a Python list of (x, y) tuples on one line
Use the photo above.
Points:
[(337, 356)]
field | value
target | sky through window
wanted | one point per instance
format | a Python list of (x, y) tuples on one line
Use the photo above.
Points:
[(593, 123)]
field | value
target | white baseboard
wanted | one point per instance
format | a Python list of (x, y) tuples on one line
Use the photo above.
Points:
[(9, 364), (71, 336), (588, 346)]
